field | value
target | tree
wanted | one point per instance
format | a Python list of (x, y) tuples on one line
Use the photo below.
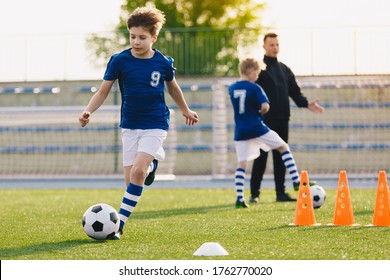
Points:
[(191, 26)]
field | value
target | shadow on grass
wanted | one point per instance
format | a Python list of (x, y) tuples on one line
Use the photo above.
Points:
[(10, 253), (145, 215), (300, 228)]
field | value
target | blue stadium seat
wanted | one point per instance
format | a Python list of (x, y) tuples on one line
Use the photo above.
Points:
[(88, 89), (29, 90)]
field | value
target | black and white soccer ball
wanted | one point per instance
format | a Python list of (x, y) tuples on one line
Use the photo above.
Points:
[(101, 221), (318, 196)]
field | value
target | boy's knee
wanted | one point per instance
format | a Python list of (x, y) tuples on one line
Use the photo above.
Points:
[(284, 148), (138, 172)]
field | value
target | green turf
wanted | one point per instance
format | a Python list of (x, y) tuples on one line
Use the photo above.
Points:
[(173, 224)]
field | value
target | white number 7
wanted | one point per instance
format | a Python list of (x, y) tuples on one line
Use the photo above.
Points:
[(240, 93)]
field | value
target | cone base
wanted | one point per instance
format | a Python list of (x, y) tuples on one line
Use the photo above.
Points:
[(295, 225), (334, 225), (371, 225)]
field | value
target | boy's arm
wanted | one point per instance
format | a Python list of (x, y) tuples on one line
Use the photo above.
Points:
[(177, 95), (263, 100), (96, 101), (264, 108)]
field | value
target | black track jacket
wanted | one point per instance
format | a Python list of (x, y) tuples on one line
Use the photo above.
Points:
[(278, 82)]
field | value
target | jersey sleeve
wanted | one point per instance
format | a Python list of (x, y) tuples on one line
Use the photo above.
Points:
[(112, 70), (171, 70), (261, 95)]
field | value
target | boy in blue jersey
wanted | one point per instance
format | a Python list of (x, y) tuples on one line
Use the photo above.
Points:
[(142, 73), (250, 103)]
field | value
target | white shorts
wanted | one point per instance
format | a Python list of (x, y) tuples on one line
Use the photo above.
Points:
[(247, 150), (148, 141)]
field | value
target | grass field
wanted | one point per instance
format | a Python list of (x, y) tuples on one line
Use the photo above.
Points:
[(171, 224)]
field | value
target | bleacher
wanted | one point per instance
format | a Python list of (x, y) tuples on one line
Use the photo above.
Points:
[(352, 134)]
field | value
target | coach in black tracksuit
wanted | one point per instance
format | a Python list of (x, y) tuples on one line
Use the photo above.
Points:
[(278, 82)]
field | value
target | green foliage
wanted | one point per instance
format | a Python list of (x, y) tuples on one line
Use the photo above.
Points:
[(172, 224), (195, 13), (202, 36)]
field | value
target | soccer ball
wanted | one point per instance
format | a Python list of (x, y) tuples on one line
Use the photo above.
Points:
[(101, 221), (318, 196)]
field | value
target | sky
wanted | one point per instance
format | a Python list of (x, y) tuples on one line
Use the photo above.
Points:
[(326, 13), (70, 16), (58, 16), (55, 19)]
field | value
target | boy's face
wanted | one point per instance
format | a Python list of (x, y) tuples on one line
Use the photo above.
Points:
[(271, 47), (141, 41)]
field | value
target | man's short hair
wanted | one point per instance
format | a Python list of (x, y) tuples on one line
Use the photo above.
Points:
[(270, 35)]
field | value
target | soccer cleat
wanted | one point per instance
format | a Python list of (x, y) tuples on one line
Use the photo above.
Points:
[(296, 185), (117, 236), (254, 199), (241, 204), (150, 178), (284, 197)]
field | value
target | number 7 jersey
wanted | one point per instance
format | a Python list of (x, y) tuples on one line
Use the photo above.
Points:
[(246, 98), (142, 86)]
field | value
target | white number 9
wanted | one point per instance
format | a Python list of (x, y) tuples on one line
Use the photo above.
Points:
[(155, 76)]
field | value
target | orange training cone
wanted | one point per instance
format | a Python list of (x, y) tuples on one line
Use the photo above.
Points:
[(343, 212), (382, 206), (304, 212)]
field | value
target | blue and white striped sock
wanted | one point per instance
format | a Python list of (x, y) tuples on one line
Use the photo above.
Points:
[(291, 167), (239, 182), (129, 201)]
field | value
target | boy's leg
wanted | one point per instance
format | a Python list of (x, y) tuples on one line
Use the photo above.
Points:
[(244, 150), (151, 172), (135, 175), (129, 202), (139, 166), (239, 181), (291, 167), (275, 142), (151, 143)]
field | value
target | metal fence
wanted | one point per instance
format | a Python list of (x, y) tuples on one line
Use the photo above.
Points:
[(320, 51), (43, 140)]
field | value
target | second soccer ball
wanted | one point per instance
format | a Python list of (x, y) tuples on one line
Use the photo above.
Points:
[(318, 195)]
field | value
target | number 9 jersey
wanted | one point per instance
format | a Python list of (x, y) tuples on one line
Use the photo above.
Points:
[(142, 85), (246, 98)]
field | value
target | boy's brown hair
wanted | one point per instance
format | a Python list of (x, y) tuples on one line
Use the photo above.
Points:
[(248, 63), (149, 18)]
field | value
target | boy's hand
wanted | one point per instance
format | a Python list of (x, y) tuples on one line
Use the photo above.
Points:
[(84, 118), (191, 117), (264, 108), (263, 111)]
